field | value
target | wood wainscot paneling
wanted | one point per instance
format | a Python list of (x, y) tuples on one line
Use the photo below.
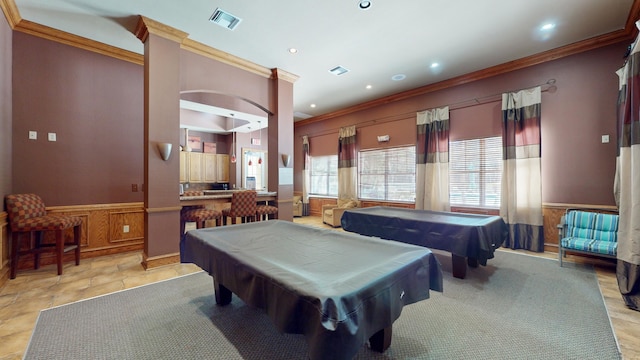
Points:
[(103, 231), (552, 214), (4, 247), (316, 203)]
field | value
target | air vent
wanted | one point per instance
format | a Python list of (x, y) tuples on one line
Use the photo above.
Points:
[(338, 70), (225, 19)]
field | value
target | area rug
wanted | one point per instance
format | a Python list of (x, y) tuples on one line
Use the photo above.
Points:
[(517, 307)]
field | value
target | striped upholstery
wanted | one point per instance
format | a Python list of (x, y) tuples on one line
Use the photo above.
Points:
[(591, 232), (243, 205)]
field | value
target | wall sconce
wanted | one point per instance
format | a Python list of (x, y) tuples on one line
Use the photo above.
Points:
[(383, 138), (165, 150), (286, 159)]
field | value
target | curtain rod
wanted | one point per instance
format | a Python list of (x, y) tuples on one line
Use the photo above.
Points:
[(493, 97), (550, 84)]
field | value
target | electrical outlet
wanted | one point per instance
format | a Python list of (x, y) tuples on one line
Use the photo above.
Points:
[(134, 187), (605, 139), (33, 135), (52, 137), (125, 229)]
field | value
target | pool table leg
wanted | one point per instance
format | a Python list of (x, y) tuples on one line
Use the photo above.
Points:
[(472, 262), (381, 340), (459, 266), (223, 295)]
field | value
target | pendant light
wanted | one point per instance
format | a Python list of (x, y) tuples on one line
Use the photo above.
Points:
[(260, 142), (233, 143)]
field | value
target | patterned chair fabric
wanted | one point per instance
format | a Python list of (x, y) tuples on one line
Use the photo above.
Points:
[(265, 211), (588, 232), (243, 205), (27, 214)]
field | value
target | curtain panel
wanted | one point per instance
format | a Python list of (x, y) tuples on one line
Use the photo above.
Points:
[(521, 193), (627, 180), (347, 163), (432, 160), (306, 175)]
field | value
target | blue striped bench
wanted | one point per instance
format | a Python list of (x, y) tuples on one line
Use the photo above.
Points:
[(588, 232)]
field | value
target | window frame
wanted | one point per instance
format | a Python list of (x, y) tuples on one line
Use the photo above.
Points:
[(329, 159), (387, 174)]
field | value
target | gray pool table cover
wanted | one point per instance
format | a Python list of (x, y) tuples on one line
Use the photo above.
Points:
[(336, 288)]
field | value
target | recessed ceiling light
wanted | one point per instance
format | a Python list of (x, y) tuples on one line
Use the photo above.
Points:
[(434, 65), (398, 77), (368, 87), (547, 26), (313, 105), (293, 50), (364, 4)]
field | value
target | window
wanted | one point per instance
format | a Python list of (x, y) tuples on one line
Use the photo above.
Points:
[(387, 174), (324, 175), (475, 172)]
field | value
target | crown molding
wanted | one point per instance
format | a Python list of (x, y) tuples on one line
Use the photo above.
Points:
[(284, 75), (219, 55), (11, 12), (148, 26)]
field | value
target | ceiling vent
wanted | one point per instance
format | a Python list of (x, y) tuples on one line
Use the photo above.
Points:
[(338, 70), (225, 19)]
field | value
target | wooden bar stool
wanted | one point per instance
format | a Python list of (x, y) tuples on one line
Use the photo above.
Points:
[(243, 205), (27, 215)]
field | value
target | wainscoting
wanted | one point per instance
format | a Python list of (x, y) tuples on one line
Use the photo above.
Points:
[(103, 232)]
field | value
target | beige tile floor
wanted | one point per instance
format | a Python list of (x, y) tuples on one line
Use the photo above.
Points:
[(22, 299)]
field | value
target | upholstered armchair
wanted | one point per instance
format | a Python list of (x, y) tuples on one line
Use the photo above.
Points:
[(297, 206), (331, 214)]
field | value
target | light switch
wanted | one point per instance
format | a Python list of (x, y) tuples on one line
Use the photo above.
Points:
[(52, 136), (605, 139), (33, 135)]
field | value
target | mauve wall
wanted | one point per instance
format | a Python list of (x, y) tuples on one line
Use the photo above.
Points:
[(5, 108), (576, 167), (94, 104)]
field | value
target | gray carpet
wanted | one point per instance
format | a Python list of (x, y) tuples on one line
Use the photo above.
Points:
[(518, 307)]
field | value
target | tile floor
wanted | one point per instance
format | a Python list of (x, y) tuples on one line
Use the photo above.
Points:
[(21, 299)]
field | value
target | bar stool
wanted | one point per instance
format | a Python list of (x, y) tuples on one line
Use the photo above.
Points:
[(198, 214), (268, 211), (243, 205), (27, 214)]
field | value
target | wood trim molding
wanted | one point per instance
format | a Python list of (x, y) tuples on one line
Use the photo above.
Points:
[(148, 26), (157, 261), (578, 206), (45, 32), (93, 207), (284, 75), (219, 55), (11, 12), (162, 209)]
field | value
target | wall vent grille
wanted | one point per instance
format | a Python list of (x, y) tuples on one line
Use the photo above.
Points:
[(225, 19)]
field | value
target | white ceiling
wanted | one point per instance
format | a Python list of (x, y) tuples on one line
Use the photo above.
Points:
[(392, 37)]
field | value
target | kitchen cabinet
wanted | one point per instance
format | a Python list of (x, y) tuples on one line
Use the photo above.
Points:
[(196, 173), (184, 167), (223, 168), (210, 169)]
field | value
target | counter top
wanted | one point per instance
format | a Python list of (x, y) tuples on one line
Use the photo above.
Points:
[(224, 194)]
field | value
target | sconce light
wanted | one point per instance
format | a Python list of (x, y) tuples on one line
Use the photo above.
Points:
[(383, 138), (286, 159), (165, 150)]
